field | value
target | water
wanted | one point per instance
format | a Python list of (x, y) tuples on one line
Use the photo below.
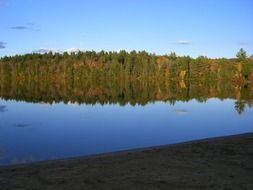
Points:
[(32, 132)]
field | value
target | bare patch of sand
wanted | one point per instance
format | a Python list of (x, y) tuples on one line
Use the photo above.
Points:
[(220, 163)]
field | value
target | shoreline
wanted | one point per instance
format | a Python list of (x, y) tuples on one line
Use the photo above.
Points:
[(115, 153), (209, 157)]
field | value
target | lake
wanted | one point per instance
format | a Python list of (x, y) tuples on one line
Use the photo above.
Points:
[(37, 131)]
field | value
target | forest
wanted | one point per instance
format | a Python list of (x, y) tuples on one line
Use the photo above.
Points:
[(125, 77)]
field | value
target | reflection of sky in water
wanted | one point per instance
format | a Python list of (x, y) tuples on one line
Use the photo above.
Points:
[(31, 132), (22, 125), (2, 108), (1, 152)]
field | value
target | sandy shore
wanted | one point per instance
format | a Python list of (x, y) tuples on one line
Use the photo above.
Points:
[(221, 163)]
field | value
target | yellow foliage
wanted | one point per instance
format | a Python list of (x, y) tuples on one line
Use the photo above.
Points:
[(163, 60), (182, 84), (239, 67), (182, 74)]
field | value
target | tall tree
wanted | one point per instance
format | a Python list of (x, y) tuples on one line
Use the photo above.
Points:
[(241, 55)]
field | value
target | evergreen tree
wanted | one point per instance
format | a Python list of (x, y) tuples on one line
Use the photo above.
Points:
[(241, 55)]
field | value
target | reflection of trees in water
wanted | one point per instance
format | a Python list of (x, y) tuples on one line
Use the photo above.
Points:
[(123, 92), (250, 103), (240, 106)]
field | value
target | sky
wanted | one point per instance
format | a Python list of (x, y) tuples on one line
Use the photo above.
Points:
[(213, 28)]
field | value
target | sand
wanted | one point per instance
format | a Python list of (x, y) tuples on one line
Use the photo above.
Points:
[(221, 163)]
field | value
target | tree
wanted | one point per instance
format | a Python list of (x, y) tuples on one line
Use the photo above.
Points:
[(173, 56), (240, 106), (241, 55)]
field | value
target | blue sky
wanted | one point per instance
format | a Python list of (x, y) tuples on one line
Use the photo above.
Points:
[(215, 28)]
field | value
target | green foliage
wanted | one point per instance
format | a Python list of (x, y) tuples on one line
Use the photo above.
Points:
[(173, 56), (242, 55), (133, 65)]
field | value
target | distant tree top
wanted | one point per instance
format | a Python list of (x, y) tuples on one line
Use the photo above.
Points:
[(242, 55), (173, 56)]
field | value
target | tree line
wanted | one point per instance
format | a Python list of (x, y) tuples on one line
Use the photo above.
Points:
[(126, 65)]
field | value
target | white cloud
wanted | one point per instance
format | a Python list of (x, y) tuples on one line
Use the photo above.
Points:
[(28, 26), (2, 45), (46, 50), (181, 112), (244, 43), (183, 42), (54, 50), (73, 50), (19, 28)]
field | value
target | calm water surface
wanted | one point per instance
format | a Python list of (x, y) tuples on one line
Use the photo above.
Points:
[(34, 132)]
